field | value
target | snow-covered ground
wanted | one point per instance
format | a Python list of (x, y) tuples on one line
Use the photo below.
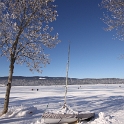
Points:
[(28, 103)]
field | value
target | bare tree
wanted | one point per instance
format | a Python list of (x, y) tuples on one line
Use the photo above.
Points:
[(24, 32), (114, 18)]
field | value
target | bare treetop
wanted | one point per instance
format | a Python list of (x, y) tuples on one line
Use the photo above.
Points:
[(115, 16), (24, 31)]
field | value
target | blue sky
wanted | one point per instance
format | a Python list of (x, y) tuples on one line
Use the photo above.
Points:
[(94, 52)]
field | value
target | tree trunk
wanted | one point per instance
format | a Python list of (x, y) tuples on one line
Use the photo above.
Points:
[(6, 101), (8, 88)]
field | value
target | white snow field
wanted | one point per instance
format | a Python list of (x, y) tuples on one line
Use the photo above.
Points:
[(28, 103)]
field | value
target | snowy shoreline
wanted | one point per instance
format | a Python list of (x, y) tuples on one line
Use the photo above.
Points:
[(27, 105)]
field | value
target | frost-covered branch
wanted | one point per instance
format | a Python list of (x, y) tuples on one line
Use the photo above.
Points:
[(24, 30), (114, 18)]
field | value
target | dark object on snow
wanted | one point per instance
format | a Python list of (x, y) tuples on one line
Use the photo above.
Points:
[(85, 116)]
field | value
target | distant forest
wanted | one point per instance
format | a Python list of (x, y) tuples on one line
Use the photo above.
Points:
[(36, 81)]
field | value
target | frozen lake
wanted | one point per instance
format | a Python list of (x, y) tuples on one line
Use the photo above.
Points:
[(106, 100)]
